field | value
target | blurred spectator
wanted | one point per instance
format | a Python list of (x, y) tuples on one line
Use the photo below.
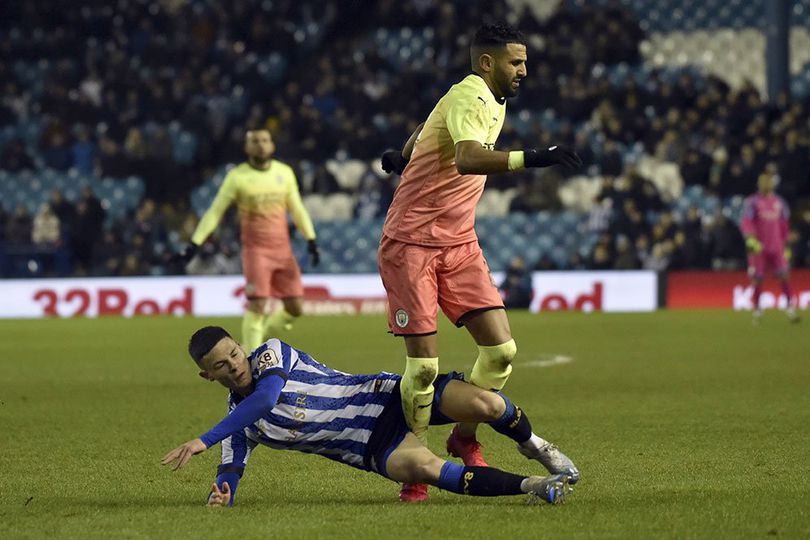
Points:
[(601, 258), (19, 226), (611, 163), (4, 217), (727, 248), (212, 260), (64, 210), (15, 157), (692, 245), (801, 250), (86, 231), (671, 147), (658, 258), (539, 193), (545, 264), (55, 149), (626, 258), (516, 288), (629, 222), (83, 151), (107, 255), (374, 196), (167, 100), (134, 266), (45, 231), (95, 212)]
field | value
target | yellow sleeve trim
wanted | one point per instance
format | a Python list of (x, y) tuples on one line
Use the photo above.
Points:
[(210, 220)]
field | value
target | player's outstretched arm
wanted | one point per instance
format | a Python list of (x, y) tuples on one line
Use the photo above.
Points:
[(472, 158), (183, 453), (219, 498)]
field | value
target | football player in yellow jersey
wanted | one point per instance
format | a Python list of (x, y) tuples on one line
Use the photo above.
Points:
[(264, 190), (429, 253)]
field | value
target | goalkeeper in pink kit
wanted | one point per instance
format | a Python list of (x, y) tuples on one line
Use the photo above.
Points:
[(765, 228)]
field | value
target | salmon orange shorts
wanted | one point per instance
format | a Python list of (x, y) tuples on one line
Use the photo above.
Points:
[(268, 274), (417, 279)]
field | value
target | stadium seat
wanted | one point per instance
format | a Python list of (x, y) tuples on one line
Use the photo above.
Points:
[(315, 206), (339, 206), (347, 172)]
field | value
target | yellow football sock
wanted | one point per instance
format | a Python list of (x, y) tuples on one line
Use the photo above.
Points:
[(493, 365), (417, 393), (252, 324), (278, 321)]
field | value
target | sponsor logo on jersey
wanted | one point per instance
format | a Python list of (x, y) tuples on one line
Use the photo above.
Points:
[(267, 360)]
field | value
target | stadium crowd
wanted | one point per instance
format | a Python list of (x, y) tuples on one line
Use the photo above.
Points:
[(163, 90)]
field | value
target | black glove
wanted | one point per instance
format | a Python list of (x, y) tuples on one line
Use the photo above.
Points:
[(314, 254), (188, 253), (392, 161), (555, 155)]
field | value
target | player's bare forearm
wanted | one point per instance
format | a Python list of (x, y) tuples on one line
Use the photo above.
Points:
[(180, 455), (472, 158), (407, 150)]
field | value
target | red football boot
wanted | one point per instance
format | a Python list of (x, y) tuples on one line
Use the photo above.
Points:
[(411, 493), (467, 448)]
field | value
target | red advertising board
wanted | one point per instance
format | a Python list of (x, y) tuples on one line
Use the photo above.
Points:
[(690, 290)]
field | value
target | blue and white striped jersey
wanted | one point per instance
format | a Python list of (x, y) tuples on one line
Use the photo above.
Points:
[(320, 410)]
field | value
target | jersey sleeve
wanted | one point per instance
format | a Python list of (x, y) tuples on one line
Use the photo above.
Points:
[(749, 216), (784, 220), (270, 365), (273, 356), (226, 196), (296, 207), (236, 449), (467, 120)]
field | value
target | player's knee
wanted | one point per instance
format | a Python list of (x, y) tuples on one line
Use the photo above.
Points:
[(426, 471), (293, 306), (506, 352), (488, 406), (257, 305), (425, 375)]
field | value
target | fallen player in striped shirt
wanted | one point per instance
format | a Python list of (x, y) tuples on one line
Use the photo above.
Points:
[(282, 398)]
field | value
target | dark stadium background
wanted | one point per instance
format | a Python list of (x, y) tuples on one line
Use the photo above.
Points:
[(122, 118)]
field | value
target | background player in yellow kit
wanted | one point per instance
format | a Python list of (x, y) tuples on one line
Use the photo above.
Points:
[(429, 253), (264, 190)]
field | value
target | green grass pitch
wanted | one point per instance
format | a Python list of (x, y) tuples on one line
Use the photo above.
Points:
[(684, 424)]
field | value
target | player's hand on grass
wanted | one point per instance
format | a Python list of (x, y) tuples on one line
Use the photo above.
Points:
[(753, 245), (554, 155), (219, 498), (183, 453), (392, 161), (314, 254)]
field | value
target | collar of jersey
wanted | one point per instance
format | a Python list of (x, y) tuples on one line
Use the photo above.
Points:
[(480, 80)]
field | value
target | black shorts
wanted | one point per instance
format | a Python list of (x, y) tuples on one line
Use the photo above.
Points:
[(390, 427)]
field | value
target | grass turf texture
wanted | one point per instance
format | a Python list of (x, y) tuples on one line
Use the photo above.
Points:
[(683, 425)]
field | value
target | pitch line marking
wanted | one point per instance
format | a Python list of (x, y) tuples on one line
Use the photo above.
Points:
[(548, 360)]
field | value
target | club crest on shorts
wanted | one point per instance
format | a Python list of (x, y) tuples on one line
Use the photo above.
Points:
[(401, 317), (250, 289)]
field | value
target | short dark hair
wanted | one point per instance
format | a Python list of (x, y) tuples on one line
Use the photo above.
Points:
[(204, 339), (498, 34)]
